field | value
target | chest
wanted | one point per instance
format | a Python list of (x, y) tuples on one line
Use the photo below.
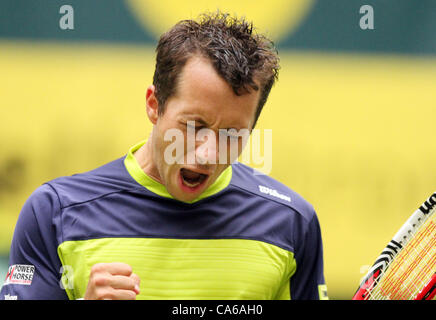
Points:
[(183, 269)]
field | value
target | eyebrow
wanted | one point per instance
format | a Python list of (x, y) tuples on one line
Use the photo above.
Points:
[(202, 122), (198, 119)]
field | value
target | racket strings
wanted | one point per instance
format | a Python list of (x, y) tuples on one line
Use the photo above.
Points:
[(412, 267), (414, 276)]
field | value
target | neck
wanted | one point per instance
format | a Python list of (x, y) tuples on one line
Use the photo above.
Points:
[(144, 157)]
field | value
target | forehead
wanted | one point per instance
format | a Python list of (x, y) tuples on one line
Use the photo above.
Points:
[(202, 92)]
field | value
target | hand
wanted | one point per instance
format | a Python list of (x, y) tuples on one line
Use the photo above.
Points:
[(112, 281)]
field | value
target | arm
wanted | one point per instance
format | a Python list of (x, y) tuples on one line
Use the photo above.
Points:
[(308, 281), (34, 266)]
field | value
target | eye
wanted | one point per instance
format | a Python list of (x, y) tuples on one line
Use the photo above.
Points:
[(232, 134), (192, 125)]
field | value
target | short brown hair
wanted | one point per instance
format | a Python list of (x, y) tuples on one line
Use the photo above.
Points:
[(238, 55)]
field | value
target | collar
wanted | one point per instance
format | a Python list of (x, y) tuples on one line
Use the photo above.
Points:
[(136, 172)]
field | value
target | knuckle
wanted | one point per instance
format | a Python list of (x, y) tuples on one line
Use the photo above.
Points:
[(98, 267), (99, 293), (100, 280), (107, 294)]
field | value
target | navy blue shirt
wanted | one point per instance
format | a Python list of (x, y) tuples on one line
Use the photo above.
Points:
[(109, 203)]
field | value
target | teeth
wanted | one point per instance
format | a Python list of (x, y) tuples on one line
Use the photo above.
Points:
[(191, 185), (192, 179)]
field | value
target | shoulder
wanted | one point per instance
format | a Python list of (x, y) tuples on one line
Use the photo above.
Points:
[(43, 200), (270, 189), (82, 187)]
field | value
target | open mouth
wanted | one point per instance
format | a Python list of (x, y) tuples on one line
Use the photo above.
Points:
[(191, 178)]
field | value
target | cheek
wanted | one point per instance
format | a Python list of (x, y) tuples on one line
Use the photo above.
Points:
[(233, 151), (168, 156), (169, 173), (159, 146)]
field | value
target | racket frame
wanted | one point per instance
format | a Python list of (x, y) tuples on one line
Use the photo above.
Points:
[(398, 242)]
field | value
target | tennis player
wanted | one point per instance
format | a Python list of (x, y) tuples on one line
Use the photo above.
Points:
[(144, 227)]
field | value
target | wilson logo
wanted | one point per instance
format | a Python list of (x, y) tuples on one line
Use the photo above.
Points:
[(274, 193), (429, 204)]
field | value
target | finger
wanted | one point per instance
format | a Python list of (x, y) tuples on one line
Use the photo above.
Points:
[(117, 294), (137, 282), (114, 268), (122, 282), (125, 294)]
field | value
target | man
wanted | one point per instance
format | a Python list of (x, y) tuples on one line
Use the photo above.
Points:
[(194, 227)]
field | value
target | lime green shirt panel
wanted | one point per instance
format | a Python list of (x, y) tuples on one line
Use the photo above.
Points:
[(152, 185), (185, 269)]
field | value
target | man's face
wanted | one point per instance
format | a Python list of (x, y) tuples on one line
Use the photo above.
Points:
[(204, 97)]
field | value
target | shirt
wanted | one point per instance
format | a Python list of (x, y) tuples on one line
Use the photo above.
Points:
[(246, 237)]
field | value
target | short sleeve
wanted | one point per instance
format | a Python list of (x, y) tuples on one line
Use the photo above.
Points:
[(34, 266), (308, 282)]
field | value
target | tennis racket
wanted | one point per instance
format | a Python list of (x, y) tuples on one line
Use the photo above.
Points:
[(406, 268)]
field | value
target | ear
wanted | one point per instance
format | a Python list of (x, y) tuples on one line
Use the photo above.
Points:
[(152, 104)]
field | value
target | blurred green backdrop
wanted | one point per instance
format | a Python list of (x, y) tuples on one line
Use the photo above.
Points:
[(352, 115)]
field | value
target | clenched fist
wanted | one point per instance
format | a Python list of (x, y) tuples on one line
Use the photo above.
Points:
[(112, 281)]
